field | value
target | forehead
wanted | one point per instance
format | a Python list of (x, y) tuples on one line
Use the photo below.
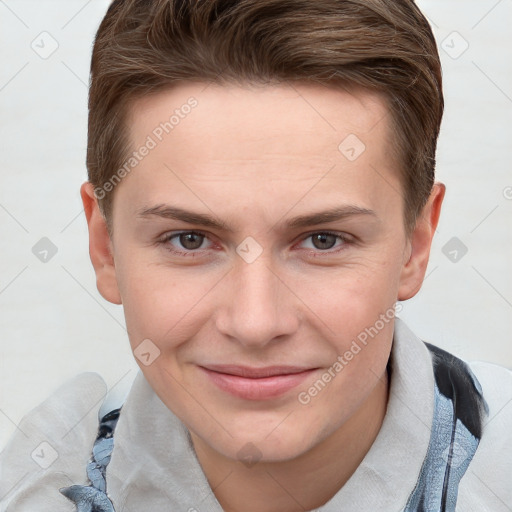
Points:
[(255, 114), (261, 142)]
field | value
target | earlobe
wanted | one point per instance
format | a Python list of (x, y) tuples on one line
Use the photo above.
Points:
[(100, 246), (415, 266)]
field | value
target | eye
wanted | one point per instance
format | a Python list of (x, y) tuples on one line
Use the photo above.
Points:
[(190, 241), (322, 241)]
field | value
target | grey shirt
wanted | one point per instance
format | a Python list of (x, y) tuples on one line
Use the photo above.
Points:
[(154, 466)]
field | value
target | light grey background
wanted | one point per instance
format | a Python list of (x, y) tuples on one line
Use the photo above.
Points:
[(54, 323)]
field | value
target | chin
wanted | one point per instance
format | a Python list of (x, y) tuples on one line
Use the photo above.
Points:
[(261, 447)]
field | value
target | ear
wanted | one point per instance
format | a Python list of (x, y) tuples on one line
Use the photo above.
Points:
[(419, 243), (100, 246)]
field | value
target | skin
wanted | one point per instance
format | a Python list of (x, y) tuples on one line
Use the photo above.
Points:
[(255, 157)]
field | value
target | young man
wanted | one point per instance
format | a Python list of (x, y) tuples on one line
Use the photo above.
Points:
[(261, 194)]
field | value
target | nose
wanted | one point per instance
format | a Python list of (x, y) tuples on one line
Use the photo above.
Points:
[(258, 306)]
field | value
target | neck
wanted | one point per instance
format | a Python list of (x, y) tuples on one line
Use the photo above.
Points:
[(305, 482)]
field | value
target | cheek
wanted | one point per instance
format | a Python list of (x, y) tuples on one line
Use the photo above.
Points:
[(361, 336), (357, 317), (162, 303), (165, 303), (354, 296), (360, 329)]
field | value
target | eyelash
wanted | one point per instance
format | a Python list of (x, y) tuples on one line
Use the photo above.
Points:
[(315, 253)]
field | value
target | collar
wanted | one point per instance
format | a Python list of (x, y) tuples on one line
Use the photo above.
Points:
[(162, 472)]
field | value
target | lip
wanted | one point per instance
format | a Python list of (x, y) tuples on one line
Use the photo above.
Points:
[(257, 383)]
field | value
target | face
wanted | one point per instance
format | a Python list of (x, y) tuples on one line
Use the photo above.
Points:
[(264, 231)]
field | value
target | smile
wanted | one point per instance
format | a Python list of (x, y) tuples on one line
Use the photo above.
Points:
[(256, 383)]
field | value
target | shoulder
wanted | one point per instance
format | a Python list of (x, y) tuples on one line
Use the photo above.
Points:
[(496, 382), (488, 480), (51, 446), (493, 377)]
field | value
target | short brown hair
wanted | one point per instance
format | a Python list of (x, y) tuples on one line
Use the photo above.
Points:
[(146, 46)]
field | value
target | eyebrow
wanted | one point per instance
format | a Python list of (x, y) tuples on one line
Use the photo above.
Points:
[(206, 220)]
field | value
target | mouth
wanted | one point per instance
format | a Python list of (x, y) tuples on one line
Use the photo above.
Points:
[(252, 383)]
